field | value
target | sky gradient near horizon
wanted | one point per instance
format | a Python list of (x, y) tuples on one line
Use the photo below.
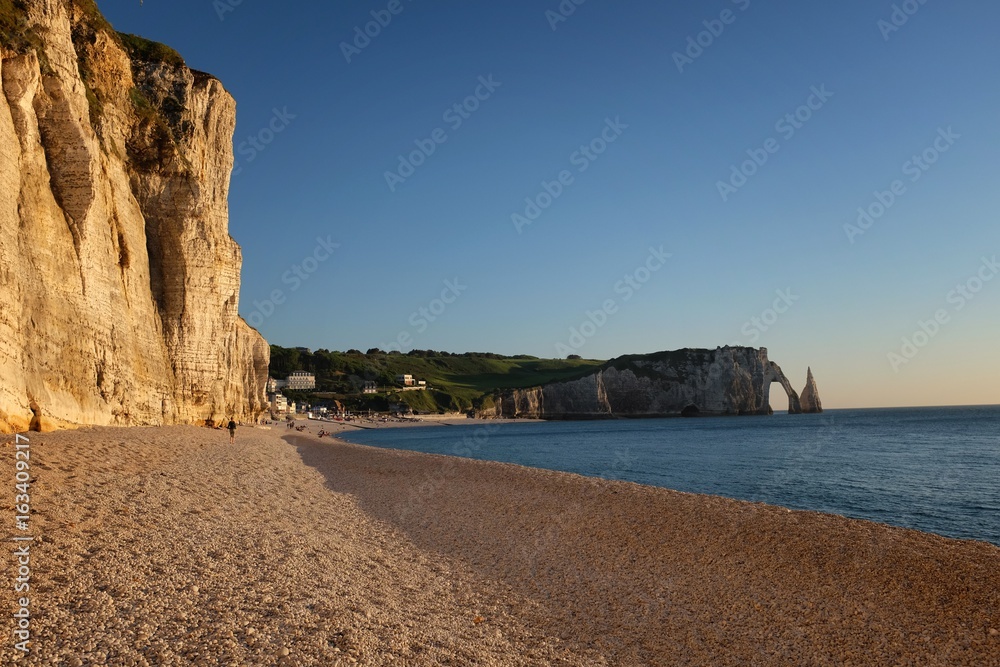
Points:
[(622, 145)]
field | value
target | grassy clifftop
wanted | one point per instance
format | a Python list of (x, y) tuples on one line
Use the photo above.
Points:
[(457, 381)]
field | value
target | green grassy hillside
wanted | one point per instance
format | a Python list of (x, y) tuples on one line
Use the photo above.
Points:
[(456, 381)]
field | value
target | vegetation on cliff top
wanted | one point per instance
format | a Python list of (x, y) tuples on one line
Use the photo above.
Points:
[(93, 15), (159, 123), (146, 50), (15, 34), (457, 381), (154, 140)]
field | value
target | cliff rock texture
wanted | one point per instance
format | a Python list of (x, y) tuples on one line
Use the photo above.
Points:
[(724, 381), (119, 281), (810, 395)]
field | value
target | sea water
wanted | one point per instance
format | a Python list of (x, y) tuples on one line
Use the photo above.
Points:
[(932, 469)]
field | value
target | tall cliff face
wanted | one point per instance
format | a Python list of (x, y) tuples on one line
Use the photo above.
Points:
[(119, 281), (724, 381), (810, 395)]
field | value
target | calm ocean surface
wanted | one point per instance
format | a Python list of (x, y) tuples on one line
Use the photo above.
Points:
[(933, 469)]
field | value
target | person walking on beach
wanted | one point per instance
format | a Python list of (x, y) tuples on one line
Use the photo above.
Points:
[(232, 432)]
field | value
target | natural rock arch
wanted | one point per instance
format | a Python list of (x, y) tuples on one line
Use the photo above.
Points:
[(775, 375)]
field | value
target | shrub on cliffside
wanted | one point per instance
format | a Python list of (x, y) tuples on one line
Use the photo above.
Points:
[(15, 33), (146, 50)]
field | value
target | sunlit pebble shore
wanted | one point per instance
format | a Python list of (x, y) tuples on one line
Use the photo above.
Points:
[(169, 546)]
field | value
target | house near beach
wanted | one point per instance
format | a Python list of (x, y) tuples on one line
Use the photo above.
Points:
[(279, 404), (408, 382)]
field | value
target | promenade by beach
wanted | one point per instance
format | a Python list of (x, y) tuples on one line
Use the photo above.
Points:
[(169, 546)]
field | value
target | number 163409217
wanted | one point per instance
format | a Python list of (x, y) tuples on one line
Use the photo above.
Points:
[(22, 481)]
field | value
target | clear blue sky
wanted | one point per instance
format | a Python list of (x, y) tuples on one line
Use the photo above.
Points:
[(656, 185)]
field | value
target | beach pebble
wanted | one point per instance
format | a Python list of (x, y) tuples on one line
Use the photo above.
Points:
[(351, 592)]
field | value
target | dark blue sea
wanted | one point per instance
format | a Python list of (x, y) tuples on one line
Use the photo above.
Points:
[(933, 469)]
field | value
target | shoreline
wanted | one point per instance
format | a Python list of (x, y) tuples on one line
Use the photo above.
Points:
[(335, 427), (468, 444), (749, 570), (296, 550)]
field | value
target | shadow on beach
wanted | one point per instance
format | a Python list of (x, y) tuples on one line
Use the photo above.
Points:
[(652, 576)]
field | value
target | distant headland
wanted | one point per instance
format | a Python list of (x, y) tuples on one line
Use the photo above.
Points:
[(687, 382)]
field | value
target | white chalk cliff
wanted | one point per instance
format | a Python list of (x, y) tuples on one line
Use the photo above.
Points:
[(688, 382), (119, 282)]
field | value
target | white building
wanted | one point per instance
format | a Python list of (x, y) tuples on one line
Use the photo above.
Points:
[(279, 404), (409, 383), (273, 386), (300, 380), (369, 387)]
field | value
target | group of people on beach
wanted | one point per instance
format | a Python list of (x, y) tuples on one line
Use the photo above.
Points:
[(231, 426)]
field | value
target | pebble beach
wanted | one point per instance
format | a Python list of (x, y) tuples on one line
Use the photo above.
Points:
[(169, 546)]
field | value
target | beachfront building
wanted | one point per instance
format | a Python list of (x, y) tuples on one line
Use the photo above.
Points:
[(274, 386), (279, 404), (301, 380), (369, 387)]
